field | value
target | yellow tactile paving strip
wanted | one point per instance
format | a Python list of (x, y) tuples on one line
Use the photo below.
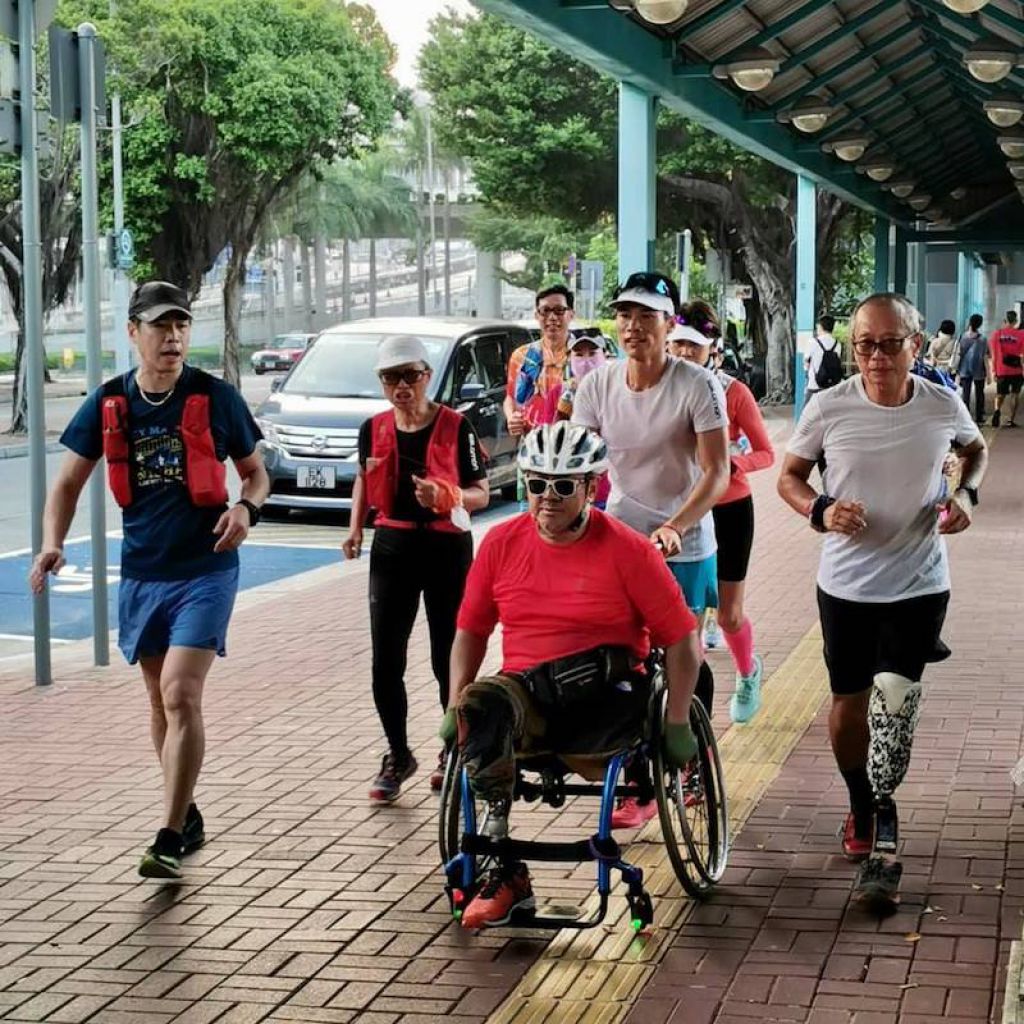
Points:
[(593, 977)]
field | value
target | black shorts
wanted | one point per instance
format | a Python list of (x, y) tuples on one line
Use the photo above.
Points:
[(863, 639), (734, 531), (1006, 385)]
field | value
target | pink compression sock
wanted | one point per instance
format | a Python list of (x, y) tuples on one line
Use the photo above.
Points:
[(741, 643)]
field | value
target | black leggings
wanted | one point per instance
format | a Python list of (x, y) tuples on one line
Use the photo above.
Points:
[(403, 565), (979, 396)]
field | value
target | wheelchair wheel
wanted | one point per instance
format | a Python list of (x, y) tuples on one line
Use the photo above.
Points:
[(451, 819), (692, 807)]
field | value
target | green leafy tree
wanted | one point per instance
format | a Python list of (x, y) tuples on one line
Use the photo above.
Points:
[(232, 103), (540, 132)]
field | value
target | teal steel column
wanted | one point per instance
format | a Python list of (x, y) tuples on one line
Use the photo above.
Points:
[(882, 226), (806, 257), (921, 279), (899, 268), (964, 285), (637, 179)]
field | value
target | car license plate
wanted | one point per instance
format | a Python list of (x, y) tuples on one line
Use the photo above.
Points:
[(316, 478)]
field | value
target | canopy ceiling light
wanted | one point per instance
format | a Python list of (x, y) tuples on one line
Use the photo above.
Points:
[(661, 12), (965, 6), (1012, 144), (934, 213), (1016, 168), (1005, 110), (1020, 188), (991, 59), (919, 201), (808, 115), (901, 187), (878, 168), (849, 146), (751, 71), (958, 193)]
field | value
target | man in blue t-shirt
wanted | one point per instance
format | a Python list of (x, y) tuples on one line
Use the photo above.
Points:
[(166, 430)]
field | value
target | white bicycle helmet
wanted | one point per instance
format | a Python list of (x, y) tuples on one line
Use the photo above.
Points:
[(563, 449)]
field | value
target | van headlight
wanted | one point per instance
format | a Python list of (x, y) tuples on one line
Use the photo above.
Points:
[(270, 434)]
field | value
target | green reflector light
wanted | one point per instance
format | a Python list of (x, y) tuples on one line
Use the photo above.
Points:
[(637, 924)]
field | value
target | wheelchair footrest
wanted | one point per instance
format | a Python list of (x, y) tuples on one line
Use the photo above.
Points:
[(507, 849)]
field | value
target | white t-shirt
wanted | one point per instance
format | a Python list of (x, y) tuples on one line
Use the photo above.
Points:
[(813, 358), (890, 459), (652, 443)]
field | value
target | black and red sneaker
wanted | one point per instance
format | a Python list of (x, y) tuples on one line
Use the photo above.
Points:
[(504, 890), (858, 837), (393, 772)]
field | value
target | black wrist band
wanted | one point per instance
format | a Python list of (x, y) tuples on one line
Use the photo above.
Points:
[(817, 516), (971, 492), (254, 510)]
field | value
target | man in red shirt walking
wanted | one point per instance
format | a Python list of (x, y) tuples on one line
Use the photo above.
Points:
[(575, 587), (1007, 348)]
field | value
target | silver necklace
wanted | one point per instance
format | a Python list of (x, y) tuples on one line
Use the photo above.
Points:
[(162, 401)]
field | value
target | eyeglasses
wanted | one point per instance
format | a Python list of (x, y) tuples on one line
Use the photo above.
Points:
[(887, 346), (393, 377), (563, 487), (545, 311)]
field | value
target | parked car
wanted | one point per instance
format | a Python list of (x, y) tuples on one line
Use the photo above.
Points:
[(311, 420), (282, 353)]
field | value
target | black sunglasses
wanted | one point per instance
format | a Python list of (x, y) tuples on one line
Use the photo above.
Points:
[(649, 281), (564, 487), (393, 377)]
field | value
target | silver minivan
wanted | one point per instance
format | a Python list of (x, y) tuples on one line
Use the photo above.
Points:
[(311, 419)]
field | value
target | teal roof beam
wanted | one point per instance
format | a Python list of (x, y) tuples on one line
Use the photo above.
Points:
[(584, 5), (973, 25), (776, 29), (892, 96), (822, 79), (880, 75), (709, 17), (619, 47), (836, 36)]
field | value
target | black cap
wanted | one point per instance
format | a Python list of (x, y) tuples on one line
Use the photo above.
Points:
[(155, 299)]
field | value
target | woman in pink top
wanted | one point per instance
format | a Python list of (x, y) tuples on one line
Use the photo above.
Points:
[(750, 449)]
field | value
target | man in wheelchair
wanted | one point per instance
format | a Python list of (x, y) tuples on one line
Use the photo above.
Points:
[(580, 598)]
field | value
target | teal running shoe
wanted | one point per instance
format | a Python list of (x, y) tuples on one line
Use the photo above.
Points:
[(746, 701)]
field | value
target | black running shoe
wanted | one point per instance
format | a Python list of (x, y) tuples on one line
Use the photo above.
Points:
[(878, 884), (163, 858), (193, 835), (393, 773)]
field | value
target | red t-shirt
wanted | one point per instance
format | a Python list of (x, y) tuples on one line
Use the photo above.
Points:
[(745, 418), (610, 588), (1007, 341)]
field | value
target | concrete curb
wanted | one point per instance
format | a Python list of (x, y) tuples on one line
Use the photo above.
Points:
[(17, 451)]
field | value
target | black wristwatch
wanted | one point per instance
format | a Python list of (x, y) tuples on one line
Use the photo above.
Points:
[(254, 510), (972, 493), (817, 516)]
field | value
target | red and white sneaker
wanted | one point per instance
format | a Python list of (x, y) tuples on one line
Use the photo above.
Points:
[(630, 813), (856, 847), (505, 890)]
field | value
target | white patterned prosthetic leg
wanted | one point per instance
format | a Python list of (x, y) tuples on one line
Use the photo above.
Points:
[(892, 715)]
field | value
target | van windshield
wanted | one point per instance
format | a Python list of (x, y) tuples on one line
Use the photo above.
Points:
[(342, 366)]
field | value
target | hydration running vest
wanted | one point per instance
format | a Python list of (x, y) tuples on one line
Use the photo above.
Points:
[(382, 478), (205, 474)]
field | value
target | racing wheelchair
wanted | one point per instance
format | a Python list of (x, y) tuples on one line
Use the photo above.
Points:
[(691, 809)]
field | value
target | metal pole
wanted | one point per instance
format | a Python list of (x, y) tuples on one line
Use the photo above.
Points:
[(684, 270), (433, 224), (122, 349), (91, 309), (32, 312)]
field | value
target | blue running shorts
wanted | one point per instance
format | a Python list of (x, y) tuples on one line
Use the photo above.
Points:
[(698, 582), (154, 615)]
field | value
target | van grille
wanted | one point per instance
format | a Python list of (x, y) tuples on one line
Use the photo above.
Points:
[(318, 442)]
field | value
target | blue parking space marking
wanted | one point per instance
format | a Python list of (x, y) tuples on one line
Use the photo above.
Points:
[(71, 591)]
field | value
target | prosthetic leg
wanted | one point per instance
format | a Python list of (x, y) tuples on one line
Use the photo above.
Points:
[(892, 717)]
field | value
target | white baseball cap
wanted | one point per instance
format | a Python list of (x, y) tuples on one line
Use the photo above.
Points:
[(683, 332), (400, 350), (643, 297), (597, 340)]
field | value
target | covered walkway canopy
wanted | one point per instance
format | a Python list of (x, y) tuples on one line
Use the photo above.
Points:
[(910, 109)]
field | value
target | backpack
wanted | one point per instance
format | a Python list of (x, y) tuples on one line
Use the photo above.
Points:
[(830, 370), (933, 373)]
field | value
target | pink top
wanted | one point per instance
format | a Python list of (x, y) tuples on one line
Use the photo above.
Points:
[(744, 418)]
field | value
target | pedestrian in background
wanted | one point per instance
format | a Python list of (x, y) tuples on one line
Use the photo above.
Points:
[(942, 348), (974, 366)]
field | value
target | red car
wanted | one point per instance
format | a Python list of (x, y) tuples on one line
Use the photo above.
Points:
[(282, 353)]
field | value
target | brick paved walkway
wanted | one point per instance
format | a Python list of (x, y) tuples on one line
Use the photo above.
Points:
[(308, 905)]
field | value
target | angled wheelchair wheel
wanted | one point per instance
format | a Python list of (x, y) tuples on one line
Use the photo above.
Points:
[(451, 818), (692, 807)]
